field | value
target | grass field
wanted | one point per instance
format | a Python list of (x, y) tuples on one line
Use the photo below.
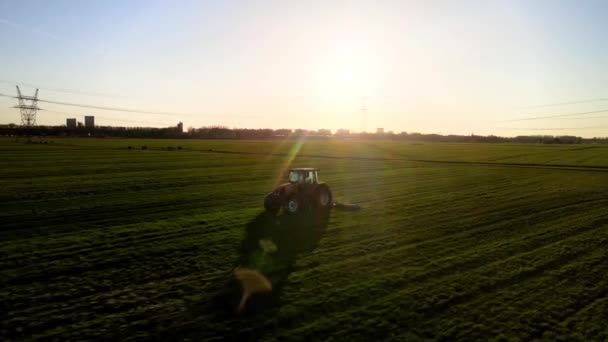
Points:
[(454, 241)]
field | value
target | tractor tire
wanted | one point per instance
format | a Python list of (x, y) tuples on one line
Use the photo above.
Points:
[(271, 204), (322, 197), (292, 205)]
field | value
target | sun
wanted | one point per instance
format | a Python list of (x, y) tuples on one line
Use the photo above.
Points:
[(346, 74)]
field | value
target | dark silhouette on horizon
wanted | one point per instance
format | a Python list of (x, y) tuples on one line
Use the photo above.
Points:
[(219, 132)]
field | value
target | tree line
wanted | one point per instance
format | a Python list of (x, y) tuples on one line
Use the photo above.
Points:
[(219, 132)]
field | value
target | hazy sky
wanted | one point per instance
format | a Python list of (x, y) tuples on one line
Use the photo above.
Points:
[(426, 66)]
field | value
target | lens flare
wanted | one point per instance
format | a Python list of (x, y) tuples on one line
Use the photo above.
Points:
[(291, 155)]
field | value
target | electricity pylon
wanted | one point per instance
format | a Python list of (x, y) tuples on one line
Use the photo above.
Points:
[(28, 106)]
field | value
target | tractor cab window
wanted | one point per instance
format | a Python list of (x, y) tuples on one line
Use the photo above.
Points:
[(310, 177), (294, 177), (303, 177)]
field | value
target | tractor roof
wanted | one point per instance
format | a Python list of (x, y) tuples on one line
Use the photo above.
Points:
[(304, 169)]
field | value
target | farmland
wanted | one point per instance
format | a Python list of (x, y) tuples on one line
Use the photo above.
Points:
[(103, 239)]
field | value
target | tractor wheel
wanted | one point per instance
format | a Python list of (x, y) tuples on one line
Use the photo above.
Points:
[(271, 204), (292, 205), (322, 197)]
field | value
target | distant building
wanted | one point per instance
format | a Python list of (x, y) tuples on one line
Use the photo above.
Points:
[(379, 130), (343, 131), (324, 132), (89, 121), (70, 123), (180, 127)]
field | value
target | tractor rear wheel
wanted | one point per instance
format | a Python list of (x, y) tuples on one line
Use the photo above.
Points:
[(322, 197)]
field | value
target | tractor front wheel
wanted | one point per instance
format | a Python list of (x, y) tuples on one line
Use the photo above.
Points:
[(292, 205)]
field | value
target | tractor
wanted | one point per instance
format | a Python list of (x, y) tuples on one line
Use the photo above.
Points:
[(304, 191)]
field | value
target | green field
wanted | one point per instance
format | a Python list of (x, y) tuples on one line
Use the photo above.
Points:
[(454, 241)]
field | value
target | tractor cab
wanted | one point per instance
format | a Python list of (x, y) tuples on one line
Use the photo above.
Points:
[(304, 176)]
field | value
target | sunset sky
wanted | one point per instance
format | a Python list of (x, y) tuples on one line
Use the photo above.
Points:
[(444, 67)]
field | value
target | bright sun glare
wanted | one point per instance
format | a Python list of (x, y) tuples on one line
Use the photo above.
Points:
[(346, 74)]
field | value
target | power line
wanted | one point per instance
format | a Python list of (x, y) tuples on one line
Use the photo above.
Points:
[(116, 109), (588, 117), (599, 99), (64, 90), (556, 116), (553, 129), (131, 110)]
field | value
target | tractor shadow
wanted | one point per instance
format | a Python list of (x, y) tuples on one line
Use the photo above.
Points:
[(271, 246)]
